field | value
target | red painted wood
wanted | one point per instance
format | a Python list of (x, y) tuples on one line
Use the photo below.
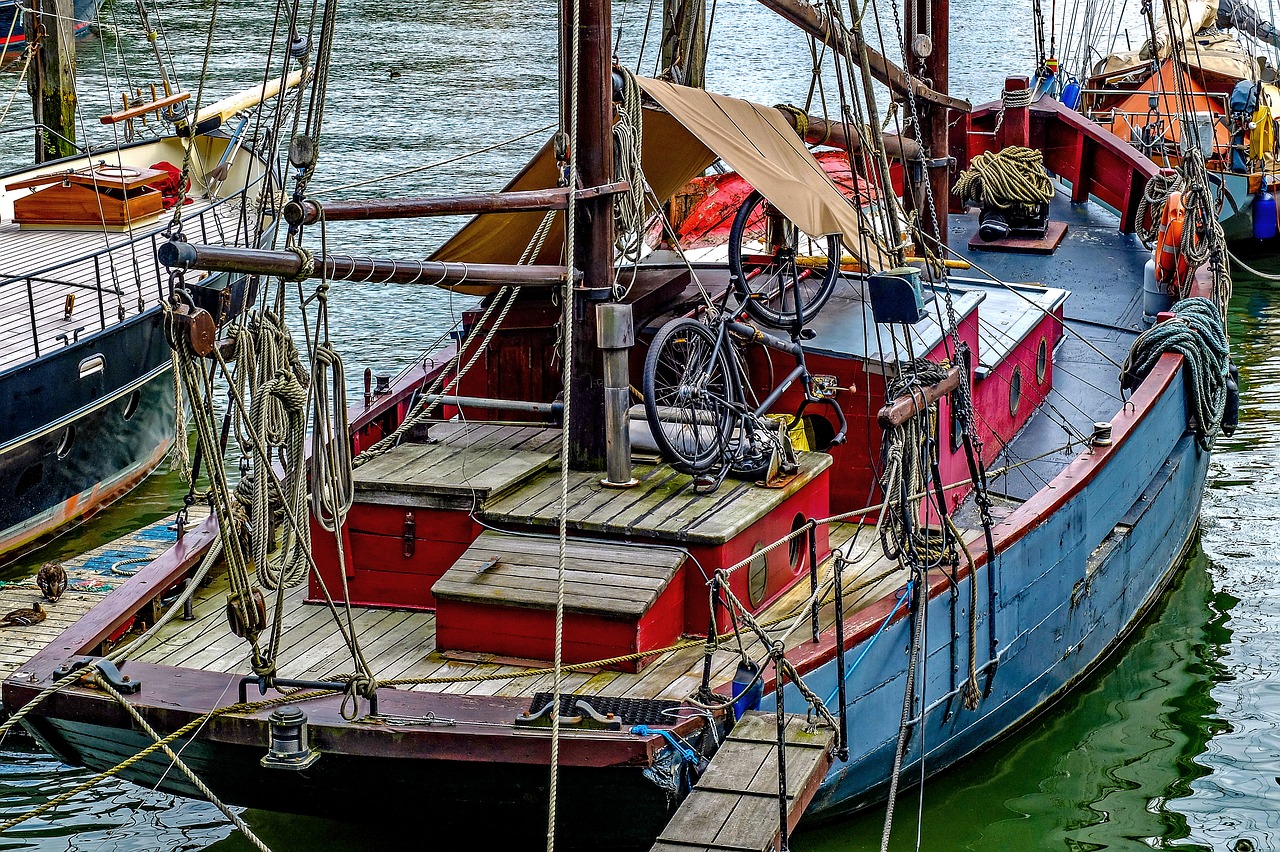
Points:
[(998, 425), (812, 501), (1016, 127), (529, 633), (379, 572)]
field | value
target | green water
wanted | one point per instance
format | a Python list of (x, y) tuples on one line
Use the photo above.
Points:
[(1173, 744)]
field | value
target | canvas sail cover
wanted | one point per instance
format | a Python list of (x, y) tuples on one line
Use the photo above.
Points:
[(690, 132)]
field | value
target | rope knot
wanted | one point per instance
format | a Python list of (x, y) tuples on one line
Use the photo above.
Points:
[(306, 264), (359, 685)]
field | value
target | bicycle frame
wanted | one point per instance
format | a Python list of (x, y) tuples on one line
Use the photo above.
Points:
[(801, 371)]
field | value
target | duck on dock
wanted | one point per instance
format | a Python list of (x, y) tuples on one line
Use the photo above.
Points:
[(52, 580), (24, 617)]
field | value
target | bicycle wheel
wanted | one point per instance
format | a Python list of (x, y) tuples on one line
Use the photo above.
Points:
[(774, 266), (689, 395)]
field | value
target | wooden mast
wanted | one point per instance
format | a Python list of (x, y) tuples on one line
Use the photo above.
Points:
[(593, 255), (684, 41), (928, 44), (50, 33)]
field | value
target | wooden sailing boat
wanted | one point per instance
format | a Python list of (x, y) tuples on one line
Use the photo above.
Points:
[(86, 390), (1204, 88), (491, 655)]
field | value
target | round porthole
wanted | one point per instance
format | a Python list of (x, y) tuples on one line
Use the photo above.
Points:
[(757, 576), (1015, 390), (1042, 361), (131, 404), (29, 479), (798, 544), (67, 441)]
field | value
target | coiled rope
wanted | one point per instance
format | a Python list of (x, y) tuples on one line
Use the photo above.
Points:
[(1197, 333), (1003, 179), (905, 464), (628, 138), (1154, 197)]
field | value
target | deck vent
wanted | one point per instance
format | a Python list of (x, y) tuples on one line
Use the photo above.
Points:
[(632, 711), (896, 296)]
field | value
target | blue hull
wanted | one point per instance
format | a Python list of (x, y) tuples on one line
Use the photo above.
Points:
[(1117, 543)]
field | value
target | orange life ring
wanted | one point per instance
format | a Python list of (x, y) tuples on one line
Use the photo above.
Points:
[(1171, 265)]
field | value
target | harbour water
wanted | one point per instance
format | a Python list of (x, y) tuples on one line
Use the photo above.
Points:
[(1174, 744)]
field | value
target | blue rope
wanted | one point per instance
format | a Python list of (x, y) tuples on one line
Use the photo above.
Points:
[(902, 598), (686, 754), (1197, 333)]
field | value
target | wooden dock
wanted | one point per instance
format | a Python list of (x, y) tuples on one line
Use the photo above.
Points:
[(91, 576), (734, 806)]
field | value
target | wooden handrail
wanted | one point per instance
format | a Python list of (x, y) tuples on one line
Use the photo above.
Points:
[(149, 106)]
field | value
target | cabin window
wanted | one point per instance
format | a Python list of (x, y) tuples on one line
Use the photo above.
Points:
[(798, 545), (67, 441), (92, 365), (1015, 390), (29, 479), (1042, 360), (131, 404), (757, 575)]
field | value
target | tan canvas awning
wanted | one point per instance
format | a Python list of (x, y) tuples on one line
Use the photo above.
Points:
[(692, 130), (759, 144)]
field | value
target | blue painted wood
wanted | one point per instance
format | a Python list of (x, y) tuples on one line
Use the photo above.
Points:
[(1058, 617)]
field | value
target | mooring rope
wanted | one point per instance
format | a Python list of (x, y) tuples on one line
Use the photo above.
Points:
[(1198, 334), (1012, 176)]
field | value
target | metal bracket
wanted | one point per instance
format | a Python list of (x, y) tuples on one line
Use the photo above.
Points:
[(119, 682), (409, 535)]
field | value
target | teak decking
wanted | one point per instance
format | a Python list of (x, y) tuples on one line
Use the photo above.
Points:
[(625, 548)]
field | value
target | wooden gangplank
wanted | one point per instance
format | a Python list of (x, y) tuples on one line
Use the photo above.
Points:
[(734, 806)]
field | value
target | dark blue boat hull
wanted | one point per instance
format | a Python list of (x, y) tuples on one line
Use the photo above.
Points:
[(81, 425), (13, 36)]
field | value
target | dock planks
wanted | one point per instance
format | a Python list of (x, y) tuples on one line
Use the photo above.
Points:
[(90, 576), (734, 805)]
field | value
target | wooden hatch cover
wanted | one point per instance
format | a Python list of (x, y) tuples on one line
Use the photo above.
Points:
[(101, 195)]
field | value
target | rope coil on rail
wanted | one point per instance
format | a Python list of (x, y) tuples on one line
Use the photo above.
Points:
[(1198, 334)]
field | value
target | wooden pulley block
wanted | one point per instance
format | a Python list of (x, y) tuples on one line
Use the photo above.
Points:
[(201, 329), (256, 609)]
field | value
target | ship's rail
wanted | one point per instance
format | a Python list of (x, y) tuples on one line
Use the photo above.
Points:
[(58, 285)]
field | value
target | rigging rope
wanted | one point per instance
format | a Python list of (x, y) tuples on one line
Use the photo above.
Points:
[(628, 139), (905, 464)]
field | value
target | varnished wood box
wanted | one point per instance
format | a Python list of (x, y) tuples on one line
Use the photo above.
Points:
[(100, 196)]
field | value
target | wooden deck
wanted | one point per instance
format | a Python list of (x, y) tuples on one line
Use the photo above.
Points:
[(401, 644), (91, 576), (108, 271)]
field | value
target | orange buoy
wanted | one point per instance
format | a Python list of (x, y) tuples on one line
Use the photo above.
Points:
[(1171, 265)]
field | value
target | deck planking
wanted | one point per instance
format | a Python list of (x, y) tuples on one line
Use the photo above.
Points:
[(734, 805), (399, 644)]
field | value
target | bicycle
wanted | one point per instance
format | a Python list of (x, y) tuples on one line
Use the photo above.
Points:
[(780, 274), (695, 399)]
